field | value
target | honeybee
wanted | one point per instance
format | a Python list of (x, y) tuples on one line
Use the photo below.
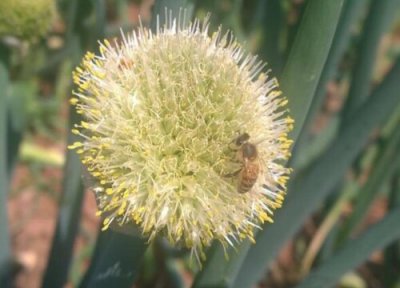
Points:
[(247, 154)]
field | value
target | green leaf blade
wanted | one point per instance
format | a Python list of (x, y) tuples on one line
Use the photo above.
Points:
[(5, 246), (57, 270), (381, 171), (302, 72), (116, 261), (355, 252), (349, 16), (380, 13)]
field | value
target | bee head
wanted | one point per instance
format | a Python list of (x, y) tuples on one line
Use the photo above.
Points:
[(243, 138)]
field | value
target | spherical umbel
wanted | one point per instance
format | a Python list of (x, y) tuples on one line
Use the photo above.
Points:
[(162, 115)]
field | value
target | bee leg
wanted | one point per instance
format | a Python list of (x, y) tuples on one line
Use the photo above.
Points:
[(233, 146), (229, 175)]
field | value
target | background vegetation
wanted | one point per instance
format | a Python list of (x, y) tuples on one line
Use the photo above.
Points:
[(337, 62)]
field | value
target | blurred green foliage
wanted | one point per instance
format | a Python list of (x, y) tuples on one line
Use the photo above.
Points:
[(26, 19), (337, 62)]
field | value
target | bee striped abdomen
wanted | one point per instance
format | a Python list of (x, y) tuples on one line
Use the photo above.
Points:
[(248, 176), (247, 154)]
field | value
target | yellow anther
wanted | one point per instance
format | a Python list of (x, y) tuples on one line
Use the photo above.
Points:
[(289, 120), (75, 145), (73, 101), (85, 124)]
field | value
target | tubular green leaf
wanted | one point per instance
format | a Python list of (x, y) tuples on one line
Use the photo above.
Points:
[(5, 248), (303, 69), (349, 16), (378, 18), (380, 172), (355, 252), (67, 223), (219, 271), (272, 22), (116, 261), (57, 270)]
